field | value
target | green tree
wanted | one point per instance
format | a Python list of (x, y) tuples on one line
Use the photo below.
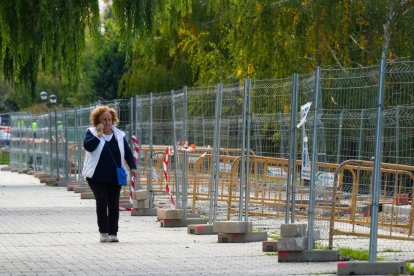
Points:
[(44, 34)]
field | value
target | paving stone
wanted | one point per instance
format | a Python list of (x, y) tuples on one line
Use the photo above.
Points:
[(50, 231)]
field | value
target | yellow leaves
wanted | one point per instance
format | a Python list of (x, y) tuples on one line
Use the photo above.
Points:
[(181, 31), (286, 109), (295, 19), (239, 72), (245, 72), (361, 22), (259, 9), (250, 69)]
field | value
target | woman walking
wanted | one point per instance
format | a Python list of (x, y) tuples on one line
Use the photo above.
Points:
[(106, 150)]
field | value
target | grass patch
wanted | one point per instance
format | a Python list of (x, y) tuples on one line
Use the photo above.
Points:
[(409, 268), (392, 250), (321, 247), (361, 255), (273, 236), (4, 157)]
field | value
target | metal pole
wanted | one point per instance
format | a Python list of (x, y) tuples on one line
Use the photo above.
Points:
[(137, 134), (65, 129), (216, 158), (241, 184), (377, 166), (185, 136), (80, 146), (34, 153), (338, 151), (217, 176), (295, 148), (150, 161), (282, 138), (76, 138), (292, 145), (397, 134), (56, 146), (50, 143), (361, 133), (177, 184), (249, 112), (311, 215)]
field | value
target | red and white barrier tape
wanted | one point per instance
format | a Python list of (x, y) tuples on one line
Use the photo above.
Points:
[(136, 152), (167, 154)]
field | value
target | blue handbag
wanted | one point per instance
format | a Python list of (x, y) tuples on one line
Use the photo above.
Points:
[(121, 174)]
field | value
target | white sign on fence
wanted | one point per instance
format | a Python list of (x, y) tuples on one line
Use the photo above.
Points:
[(276, 172), (192, 159), (306, 168), (225, 167), (304, 109), (325, 179)]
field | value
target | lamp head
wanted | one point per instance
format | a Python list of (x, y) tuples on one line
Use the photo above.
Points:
[(53, 99), (43, 95)]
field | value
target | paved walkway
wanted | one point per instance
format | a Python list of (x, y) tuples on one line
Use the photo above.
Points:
[(50, 231)]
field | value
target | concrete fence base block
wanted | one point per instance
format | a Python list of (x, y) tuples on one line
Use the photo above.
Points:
[(192, 215), (71, 186), (232, 227), (141, 204), (62, 183), (81, 189), (141, 195), (144, 212), (366, 268), (40, 174), (269, 246), (22, 171), (164, 213), (49, 181), (308, 256), (292, 244), (242, 237), (181, 222), (200, 229), (87, 195)]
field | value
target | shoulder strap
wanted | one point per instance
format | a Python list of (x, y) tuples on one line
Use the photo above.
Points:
[(106, 143)]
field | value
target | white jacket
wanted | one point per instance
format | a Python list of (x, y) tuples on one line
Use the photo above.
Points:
[(92, 158)]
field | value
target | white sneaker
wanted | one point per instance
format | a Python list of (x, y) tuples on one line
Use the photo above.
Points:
[(113, 238), (103, 237)]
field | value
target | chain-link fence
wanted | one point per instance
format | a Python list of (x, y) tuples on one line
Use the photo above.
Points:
[(247, 151)]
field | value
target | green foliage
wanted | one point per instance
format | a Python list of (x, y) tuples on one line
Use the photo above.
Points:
[(153, 45), (409, 268), (102, 67), (44, 34), (227, 40)]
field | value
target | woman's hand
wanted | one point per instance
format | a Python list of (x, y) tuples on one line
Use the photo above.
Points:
[(99, 129), (134, 172)]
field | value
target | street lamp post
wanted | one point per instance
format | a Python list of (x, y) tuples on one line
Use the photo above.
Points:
[(53, 101)]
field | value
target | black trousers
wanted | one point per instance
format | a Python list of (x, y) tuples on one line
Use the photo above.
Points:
[(107, 205)]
